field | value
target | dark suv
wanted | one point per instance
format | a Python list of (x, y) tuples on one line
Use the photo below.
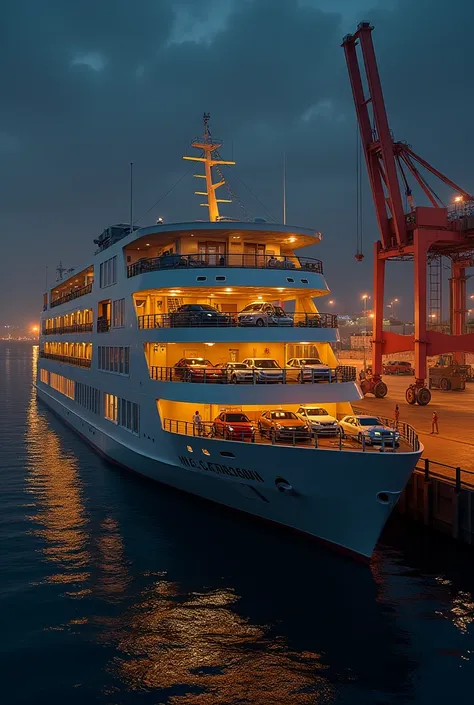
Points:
[(198, 315)]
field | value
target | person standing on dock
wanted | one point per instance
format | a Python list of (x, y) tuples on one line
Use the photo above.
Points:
[(397, 415), (434, 423)]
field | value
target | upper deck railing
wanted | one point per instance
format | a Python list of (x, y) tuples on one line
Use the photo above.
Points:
[(275, 375), (73, 328), (69, 359), (72, 295), (197, 261), (230, 320)]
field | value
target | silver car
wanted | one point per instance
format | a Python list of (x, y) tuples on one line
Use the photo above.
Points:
[(266, 371), (310, 369), (263, 313), (237, 372), (321, 422)]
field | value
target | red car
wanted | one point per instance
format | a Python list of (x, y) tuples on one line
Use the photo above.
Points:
[(398, 367), (198, 369), (234, 425)]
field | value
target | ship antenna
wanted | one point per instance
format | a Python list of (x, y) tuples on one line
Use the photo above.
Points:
[(208, 145), (131, 197), (284, 188)]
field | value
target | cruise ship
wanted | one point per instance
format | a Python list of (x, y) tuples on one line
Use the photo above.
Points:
[(195, 353)]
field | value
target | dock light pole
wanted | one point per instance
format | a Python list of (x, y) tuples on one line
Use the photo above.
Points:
[(365, 297)]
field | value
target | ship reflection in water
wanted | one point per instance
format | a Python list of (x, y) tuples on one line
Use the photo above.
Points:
[(126, 592)]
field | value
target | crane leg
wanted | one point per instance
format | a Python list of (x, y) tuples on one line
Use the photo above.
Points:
[(458, 304), (418, 392), (379, 387)]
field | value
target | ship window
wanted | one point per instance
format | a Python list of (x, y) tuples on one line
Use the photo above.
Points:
[(304, 281), (226, 454), (189, 449), (290, 280), (201, 279), (220, 279), (111, 407), (205, 451), (108, 272)]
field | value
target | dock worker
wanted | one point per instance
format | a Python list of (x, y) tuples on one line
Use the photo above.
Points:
[(397, 415), (197, 423), (434, 423)]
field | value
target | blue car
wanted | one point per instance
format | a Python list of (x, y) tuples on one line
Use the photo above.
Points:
[(369, 430)]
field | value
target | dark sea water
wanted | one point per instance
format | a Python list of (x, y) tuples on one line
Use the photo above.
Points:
[(117, 591)]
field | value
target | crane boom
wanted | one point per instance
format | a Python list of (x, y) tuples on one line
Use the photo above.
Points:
[(376, 139)]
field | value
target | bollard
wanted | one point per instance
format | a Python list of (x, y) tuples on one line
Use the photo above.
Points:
[(456, 508), (427, 470), (315, 440), (458, 479)]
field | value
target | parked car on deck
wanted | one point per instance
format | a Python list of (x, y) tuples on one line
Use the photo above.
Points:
[(237, 372), (283, 425), (398, 367), (198, 315), (320, 421), (309, 369), (370, 428), (234, 425), (262, 313), (198, 369), (266, 371)]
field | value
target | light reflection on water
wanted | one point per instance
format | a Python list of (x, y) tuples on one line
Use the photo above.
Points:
[(121, 592), (170, 639), (59, 517)]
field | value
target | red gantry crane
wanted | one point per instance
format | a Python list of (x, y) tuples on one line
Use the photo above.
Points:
[(424, 234)]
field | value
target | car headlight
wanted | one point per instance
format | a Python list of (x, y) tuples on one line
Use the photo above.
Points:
[(279, 426), (376, 433), (231, 428)]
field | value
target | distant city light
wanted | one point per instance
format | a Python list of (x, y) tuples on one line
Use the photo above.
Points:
[(331, 302), (457, 199)]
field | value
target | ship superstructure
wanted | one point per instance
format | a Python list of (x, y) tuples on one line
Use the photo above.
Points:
[(175, 332)]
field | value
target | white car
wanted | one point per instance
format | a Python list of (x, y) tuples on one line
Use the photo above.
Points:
[(265, 370), (321, 422), (237, 372), (310, 369), (263, 313), (368, 429)]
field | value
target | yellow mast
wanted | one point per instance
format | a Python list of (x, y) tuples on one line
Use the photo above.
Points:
[(207, 145)]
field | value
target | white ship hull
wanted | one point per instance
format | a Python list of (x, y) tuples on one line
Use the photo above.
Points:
[(335, 496)]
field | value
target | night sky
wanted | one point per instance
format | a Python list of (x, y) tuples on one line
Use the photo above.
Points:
[(88, 86)]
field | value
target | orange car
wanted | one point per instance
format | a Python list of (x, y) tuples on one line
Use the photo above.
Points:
[(234, 425)]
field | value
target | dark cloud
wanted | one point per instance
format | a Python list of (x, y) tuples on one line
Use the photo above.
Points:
[(89, 86)]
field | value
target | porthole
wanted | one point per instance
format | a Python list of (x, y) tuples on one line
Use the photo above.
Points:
[(304, 281), (205, 451), (201, 279), (189, 449), (290, 280), (220, 279), (383, 498)]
